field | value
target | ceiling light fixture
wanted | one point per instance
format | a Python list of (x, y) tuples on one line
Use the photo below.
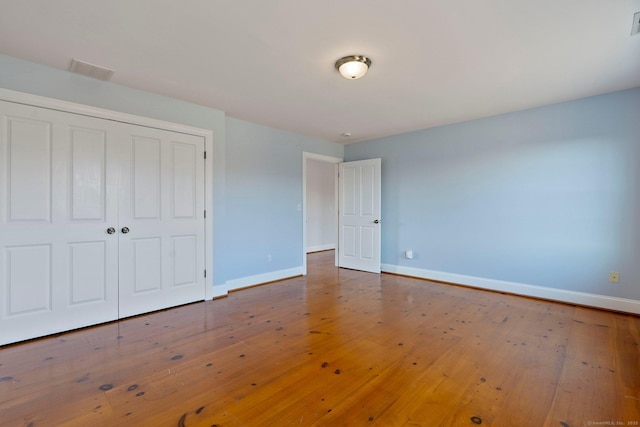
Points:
[(353, 67)]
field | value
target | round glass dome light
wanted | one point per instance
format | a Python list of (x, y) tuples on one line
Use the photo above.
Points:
[(353, 67)]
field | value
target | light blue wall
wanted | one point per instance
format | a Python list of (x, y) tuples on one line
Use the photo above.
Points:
[(547, 196), (262, 165), (264, 194)]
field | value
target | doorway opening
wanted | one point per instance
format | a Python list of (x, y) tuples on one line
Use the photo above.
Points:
[(320, 204)]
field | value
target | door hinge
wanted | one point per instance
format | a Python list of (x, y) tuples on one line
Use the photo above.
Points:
[(205, 273), (205, 155), (205, 213)]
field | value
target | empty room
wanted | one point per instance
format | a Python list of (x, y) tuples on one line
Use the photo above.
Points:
[(357, 213)]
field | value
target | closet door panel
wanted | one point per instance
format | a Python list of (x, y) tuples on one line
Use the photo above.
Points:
[(28, 279), (88, 174), (184, 188), (88, 273), (147, 265), (185, 251), (58, 266), (185, 213), (145, 181), (162, 207), (28, 163)]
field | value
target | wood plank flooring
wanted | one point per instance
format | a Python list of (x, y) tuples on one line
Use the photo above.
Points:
[(335, 348)]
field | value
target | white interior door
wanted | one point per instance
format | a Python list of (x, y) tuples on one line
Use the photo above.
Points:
[(161, 220), (58, 196), (359, 218)]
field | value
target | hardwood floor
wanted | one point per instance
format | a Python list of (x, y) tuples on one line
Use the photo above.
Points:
[(335, 348)]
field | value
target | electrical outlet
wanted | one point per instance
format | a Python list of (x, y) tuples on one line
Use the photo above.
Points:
[(614, 277)]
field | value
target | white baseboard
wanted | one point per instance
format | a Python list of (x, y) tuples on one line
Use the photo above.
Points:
[(272, 276), (563, 295), (320, 248), (216, 291)]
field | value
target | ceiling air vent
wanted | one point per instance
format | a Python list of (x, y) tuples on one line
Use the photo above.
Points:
[(90, 70), (635, 29)]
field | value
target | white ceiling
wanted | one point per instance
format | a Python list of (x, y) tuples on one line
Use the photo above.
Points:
[(272, 61)]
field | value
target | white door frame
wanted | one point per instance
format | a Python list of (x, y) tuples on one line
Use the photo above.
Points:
[(71, 107), (335, 160)]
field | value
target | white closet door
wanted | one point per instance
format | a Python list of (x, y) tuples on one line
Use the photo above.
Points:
[(161, 220), (58, 196)]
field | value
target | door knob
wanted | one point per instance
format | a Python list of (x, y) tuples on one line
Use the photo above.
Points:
[(125, 230), (111, 230), (376, 221)]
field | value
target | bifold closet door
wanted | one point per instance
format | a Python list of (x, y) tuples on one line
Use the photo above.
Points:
[(99, 220), (58, 197), (161, 220)]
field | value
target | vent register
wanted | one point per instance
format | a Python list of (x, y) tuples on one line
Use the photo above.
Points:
[(90, 70)]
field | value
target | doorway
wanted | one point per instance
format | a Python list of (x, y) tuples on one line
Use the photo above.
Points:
[(321, 217)]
